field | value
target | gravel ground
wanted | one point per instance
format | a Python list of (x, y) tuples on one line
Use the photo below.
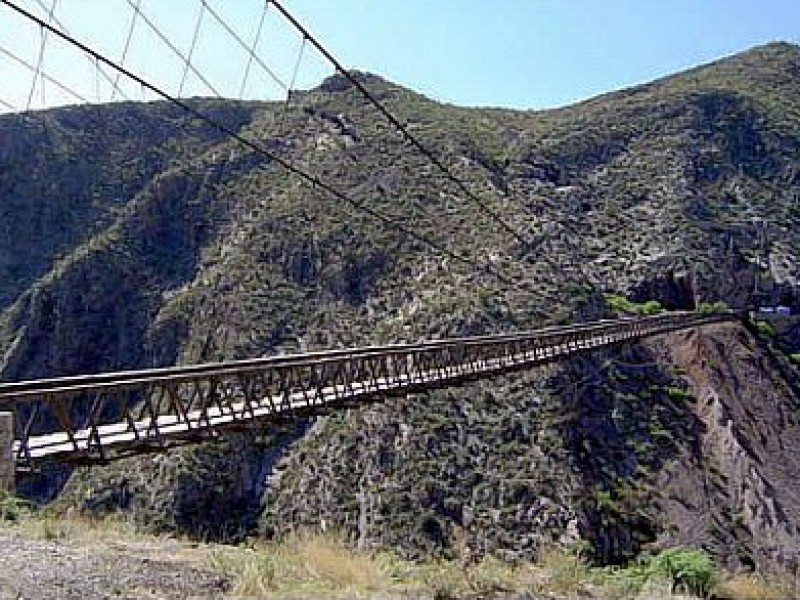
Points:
[(37, 569)]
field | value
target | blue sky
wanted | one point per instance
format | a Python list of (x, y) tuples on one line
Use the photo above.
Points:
[(541, 53), (517, 53)]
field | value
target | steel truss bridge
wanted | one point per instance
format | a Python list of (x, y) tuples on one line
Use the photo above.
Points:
[(94, 419)]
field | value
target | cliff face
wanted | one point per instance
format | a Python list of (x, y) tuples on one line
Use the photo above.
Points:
[(133, 238), (739, 494)]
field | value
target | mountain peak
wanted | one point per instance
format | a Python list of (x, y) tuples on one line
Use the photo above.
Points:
[(338, 82)]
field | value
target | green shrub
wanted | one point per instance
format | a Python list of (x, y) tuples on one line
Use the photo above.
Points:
[(710, 308), (12, 508), (621, 304), (678, 394), (689, 571), (651, 307), (765, 328), (682, 569)]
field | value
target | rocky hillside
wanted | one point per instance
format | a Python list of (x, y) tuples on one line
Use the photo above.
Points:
[(133, 237)]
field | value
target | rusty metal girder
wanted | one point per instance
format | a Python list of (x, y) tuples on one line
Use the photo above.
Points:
[(97, 418)]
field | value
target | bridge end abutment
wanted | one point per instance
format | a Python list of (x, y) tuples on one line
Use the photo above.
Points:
[(7, 466)]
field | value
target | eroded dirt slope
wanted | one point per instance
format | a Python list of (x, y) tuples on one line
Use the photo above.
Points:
[(737, 491)]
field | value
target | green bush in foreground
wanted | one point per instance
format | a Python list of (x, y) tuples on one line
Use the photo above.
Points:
[(11, 507), (684, 570), (689, 570)]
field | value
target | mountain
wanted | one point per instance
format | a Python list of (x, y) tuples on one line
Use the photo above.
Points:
[(134, 237)]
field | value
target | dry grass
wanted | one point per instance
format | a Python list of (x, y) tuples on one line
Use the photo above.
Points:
[(305, 565), (46, 526), (446, 580), (560, 573), (112, 532), (325, 566), (69, 526), (757, 587)]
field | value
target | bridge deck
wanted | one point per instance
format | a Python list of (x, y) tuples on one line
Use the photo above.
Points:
[(98, 418), (218, 417)]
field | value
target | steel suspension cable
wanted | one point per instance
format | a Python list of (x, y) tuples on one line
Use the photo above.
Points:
[(61, 25), (252, 50), (40, 60), (8, 105), (166, 42), (244, 45), (96, 81), (483, 206), (128, 40), (282, 115), (195, 36), (296, 68), (258, 149), (42, 74)]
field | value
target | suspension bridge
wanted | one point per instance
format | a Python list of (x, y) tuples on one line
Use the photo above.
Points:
[(94, 419)]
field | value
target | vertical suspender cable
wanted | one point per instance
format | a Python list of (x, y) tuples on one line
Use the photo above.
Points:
[(195, 35), (127, 46), (54, 19), (166, 41), (282, 118), (34, 79), (231, 32), (253, 50)]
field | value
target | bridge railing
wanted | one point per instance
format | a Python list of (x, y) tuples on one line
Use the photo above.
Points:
[(94, 418)]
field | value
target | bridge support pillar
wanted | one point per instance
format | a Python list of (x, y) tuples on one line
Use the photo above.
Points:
[(7, 466)]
